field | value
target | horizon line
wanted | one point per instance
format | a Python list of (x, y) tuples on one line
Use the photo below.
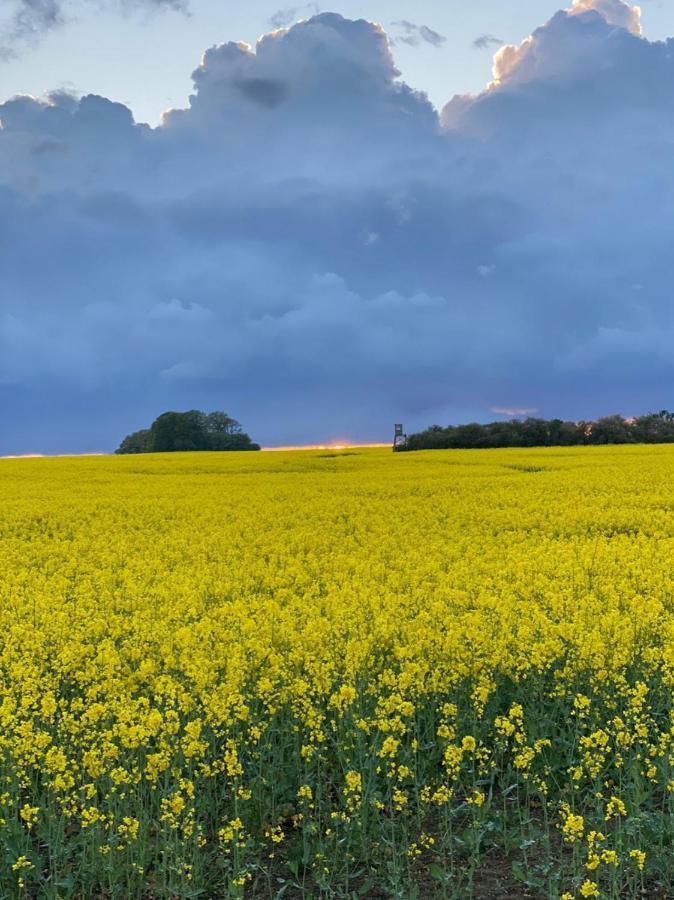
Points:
[(281, 448)]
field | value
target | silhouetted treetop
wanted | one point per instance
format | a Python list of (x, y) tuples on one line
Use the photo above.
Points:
[(185, 431)]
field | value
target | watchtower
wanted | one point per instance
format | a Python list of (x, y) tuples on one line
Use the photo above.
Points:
[(399, 438)]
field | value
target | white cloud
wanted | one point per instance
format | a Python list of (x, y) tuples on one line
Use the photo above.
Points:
[(514, 412), (615, 12), (558, 48)]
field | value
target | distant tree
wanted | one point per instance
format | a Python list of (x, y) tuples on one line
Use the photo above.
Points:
[(235, 441), (611, 430), (471, 435), (535, 433), (221, 423), (137, 442), (655, 428), (174, 431), (187, 431), (563, 434), (435, 438), (504, 434)]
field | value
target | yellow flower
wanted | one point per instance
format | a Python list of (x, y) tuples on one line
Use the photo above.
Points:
[(573, 827), (275, 833), (389, 747), (639, 857), (128, 828), (22, 863), (441, 796), (29, 814), (615, 807), (354, 782), (469, 744), (194, 634)]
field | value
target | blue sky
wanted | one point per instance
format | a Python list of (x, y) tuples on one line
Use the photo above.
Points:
[(311, 243)]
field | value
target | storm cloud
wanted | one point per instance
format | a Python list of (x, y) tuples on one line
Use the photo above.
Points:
[(314, 247)]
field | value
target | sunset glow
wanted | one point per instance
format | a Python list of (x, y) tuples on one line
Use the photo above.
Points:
[(344, 446)]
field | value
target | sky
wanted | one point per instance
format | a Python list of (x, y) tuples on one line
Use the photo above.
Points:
[(326, 219), (141, 52)]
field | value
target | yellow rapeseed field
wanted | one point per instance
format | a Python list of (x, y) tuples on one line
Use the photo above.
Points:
[(338, 674)]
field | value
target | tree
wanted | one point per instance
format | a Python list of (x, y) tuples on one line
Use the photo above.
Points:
[(188, 431), (656, 428), (535, 433), (137, 442), (610, 430), (173, 431), (221, 423), (235, 441), (564, 434)]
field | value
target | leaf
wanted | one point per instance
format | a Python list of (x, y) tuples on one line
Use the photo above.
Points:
[(294, 866), (519, 872), (436, 872)]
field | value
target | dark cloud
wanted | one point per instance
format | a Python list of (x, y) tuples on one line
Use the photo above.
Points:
[(486, 42), (311, 246), (414, 34), (267, 92), (23, 21), (282, 18)]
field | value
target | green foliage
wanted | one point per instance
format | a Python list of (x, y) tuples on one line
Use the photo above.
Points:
[(137, 442), (187, 431), (655, 428)]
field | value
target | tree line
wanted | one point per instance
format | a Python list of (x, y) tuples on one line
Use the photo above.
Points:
[(184, 431), (654, 428)]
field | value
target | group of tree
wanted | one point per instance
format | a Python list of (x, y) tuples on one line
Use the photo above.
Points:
[(655, 428), (192, 430)]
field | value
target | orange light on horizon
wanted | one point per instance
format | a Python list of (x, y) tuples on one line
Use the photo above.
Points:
[(347, 446)]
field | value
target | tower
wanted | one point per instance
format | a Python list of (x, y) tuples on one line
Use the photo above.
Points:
[(399, 438)]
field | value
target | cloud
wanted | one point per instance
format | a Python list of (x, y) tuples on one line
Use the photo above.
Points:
[(587, 61), (485, 41), (282, 18), (267, 92), (310, 245), (414, 35), (514, 412), (567, 41), (23, 21), (615, 12)]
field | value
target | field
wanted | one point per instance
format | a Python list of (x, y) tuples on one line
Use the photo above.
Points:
[(338, 674)]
